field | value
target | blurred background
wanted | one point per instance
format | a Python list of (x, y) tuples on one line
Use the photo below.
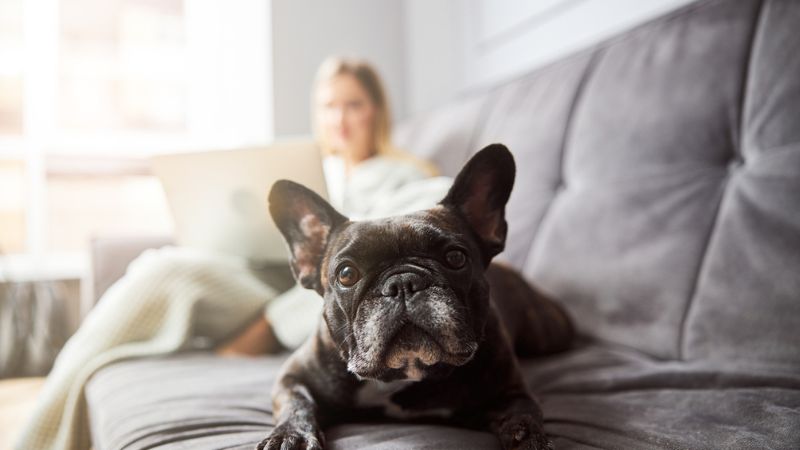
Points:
[(89, 89)]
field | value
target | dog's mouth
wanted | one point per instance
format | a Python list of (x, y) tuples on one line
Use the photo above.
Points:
[(413, 351), (429, 340)]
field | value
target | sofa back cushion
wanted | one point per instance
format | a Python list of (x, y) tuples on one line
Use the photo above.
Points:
[(746, 305), (644, 200)]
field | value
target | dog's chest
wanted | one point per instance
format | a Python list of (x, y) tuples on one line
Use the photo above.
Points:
[(373, 393), (377, 394)]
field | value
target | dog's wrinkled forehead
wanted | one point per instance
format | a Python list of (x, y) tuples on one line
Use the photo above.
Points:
[(393, 237)]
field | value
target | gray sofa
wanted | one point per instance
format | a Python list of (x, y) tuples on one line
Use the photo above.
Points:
[(658, 198)]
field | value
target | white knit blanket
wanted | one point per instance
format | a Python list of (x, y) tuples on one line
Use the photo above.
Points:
[(165, 302)]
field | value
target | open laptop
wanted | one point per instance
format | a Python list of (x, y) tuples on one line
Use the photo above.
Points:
[(218, 199)]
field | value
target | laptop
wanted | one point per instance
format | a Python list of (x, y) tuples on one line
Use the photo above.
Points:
[(218, 199)]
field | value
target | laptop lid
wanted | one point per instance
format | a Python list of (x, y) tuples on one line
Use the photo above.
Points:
[(218, 199)]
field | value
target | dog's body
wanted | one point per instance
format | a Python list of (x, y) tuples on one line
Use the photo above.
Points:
[(409, 328)]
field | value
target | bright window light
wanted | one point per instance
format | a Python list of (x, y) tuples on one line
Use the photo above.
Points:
[(89, 89)]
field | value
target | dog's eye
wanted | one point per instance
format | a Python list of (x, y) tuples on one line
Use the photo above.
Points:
[(456, 259), (348, 276)]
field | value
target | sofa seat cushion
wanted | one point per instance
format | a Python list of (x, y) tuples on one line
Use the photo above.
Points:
[(201, 401), (609, 397), (594, 397)]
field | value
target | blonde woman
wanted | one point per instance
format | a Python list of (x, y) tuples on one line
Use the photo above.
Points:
[(352, 124)]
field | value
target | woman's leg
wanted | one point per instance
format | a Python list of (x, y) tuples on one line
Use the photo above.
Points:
[(256, 339)]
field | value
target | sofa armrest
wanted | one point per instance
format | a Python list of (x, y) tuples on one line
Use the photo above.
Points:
[(110, 257)]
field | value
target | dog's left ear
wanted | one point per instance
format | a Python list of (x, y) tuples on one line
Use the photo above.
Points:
[(306, 221), (480, 193)]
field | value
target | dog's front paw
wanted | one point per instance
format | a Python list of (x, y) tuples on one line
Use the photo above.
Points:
[(523, 432), (289, 437)]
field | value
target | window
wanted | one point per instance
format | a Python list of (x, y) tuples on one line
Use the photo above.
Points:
[(122, 65), (121, 72), (10, 101), (89, 89), (11, 67), (12, 168), (12, 210)]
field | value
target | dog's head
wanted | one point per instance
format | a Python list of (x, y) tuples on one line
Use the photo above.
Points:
[(406, 296)]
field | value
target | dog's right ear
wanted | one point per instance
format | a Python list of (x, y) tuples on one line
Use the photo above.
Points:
[(306, 221), (480, 193)]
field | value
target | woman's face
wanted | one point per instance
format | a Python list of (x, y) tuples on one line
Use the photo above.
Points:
[(346, 117)]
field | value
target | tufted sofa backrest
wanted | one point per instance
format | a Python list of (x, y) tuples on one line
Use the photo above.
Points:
[(658, 186)]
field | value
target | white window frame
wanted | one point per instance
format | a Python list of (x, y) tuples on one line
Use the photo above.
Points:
[(229, 104)]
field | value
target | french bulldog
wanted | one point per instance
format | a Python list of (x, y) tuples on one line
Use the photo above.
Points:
[(417, 322)]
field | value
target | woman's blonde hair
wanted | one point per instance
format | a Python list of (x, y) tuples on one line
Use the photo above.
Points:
[(369, 79)]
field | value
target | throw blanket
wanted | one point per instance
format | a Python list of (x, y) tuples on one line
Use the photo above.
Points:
[(168, 300), (175, 299)]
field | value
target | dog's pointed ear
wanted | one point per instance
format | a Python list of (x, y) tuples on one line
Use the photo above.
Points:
[(480, 192), (306, 222)]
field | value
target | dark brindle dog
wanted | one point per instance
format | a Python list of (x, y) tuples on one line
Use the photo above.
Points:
[(409, 325)]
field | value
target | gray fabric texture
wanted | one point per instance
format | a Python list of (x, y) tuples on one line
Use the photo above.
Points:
[(657, 197), (747, 303), (594, 397)]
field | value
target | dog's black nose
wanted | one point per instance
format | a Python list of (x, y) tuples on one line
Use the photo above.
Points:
[(404, 285)]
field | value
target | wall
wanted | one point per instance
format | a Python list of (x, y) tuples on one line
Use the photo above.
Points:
[(435, 66), (228, 56), (430, 51), (455, 45), (304, 32)]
